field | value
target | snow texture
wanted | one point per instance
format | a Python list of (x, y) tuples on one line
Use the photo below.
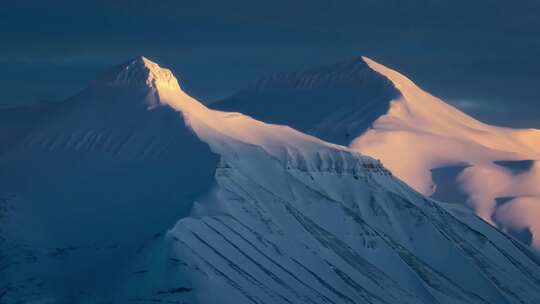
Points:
[(141, 194), (420, 138)]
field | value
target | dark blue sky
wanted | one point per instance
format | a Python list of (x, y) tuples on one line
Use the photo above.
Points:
[(483, 56)]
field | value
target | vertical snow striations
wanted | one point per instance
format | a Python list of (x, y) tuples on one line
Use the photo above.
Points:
[(240, 211), (92, 182), (432, 146)]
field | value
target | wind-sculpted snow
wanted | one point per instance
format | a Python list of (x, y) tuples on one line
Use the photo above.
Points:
[(420, 138), (275, 216)]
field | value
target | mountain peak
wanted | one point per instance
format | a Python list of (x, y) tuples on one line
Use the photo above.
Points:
[(142, 72), (351, 73)]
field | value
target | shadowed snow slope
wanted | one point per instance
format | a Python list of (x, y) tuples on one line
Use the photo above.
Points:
[(134, 192), (383, 114)]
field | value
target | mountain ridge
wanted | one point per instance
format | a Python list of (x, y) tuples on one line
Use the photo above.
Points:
[(236, 211), (140, 72), (410, 130)]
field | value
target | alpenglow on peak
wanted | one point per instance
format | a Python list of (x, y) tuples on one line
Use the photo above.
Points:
[(142, 72)]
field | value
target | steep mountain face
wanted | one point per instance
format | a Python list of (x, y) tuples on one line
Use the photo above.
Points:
[(433, 147), (335, 103), (285, 218), (94, 174)]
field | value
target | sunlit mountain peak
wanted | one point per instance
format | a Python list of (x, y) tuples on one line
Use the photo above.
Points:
[(142, 72)]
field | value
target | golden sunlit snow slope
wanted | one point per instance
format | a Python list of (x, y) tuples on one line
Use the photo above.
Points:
[(421, 132)]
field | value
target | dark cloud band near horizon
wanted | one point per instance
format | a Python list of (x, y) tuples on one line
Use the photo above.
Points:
[(483, 52)]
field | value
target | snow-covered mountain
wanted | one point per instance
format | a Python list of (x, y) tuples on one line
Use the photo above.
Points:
[(132, 191), (433, 147)]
